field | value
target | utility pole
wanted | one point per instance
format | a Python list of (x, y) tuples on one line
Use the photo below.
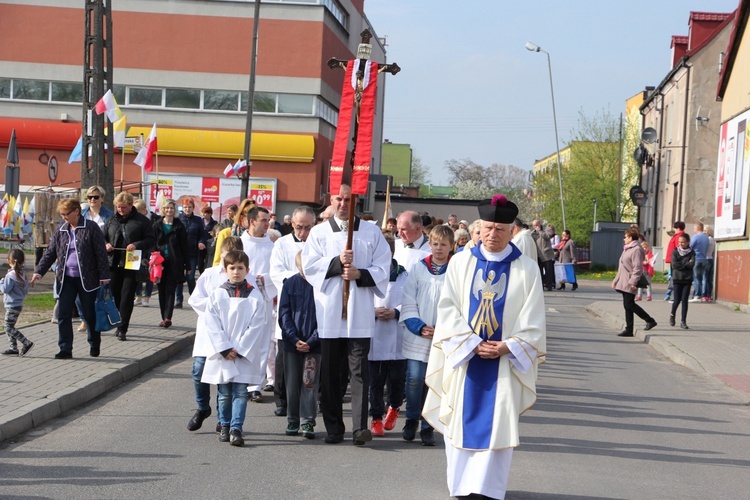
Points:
[(97, 72), (245, 184)]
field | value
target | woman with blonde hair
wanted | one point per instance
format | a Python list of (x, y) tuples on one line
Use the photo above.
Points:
[(127, 230), (171, 242), (238, 228)]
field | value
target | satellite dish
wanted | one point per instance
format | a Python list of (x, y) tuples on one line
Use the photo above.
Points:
[(639, 155), (649, 135)]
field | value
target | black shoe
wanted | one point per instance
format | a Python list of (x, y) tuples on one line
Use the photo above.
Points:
[(121, 335), (256, 396), (268, 388), (178, 305), (410, 429), (197, 421), (625, 333), (235, 438), (224, 435), (334, 438), (361, 437), (561, 287), (94, 351), (218, 427), (428, 439), (575, 287), (280, 411), (64, 355), (684, 326), (25, 349), (11, 352), (650, 325), (671, 320)]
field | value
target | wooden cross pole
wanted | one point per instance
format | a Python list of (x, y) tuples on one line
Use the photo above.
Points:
[(363, 54)]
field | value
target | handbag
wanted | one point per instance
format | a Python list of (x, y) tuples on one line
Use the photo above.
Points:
[(107, 315), (642, 282)]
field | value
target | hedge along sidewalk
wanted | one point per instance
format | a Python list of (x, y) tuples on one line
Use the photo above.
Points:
[(37, 387)]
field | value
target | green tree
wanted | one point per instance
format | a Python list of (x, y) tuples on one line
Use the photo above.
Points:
[(590, 173)]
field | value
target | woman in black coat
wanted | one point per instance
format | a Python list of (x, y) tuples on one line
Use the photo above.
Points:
[(126, 230), (683, 261), (171, 242)]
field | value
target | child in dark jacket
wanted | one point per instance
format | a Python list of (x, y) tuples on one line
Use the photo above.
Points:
[(299, 331)]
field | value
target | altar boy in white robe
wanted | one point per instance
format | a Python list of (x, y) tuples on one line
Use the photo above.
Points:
[(345, 343), (235, 321), (489, 340)]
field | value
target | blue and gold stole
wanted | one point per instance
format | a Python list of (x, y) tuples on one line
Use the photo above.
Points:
[(488, 292)]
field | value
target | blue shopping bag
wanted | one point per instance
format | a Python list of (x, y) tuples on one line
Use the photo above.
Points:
[(107, 315)]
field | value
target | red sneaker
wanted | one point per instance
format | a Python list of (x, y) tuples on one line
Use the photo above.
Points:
[(376, 427), (390, 418)]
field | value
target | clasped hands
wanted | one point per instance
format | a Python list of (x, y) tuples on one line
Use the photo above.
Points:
[(350, 272), (491, 349)]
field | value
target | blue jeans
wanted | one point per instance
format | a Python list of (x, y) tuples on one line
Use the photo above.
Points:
[(202, 391), (192, 261), (708, 279), (699, 272), (416, 390), (232, 405)]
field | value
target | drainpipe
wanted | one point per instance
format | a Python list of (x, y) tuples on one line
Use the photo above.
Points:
[(684, 142), (658, 170)]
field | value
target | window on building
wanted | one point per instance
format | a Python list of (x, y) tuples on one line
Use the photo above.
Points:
[(119, 93), (183, 98), (221, 100), (144, 97), (67, 92), (296, 104), (30, 90), (264, 102), (5, 88)]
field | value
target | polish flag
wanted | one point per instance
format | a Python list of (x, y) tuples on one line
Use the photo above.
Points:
[(145, 158), (240, 166), (109, 104), (229, 171)]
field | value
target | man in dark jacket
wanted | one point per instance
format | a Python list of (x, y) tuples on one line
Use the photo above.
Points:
[(128, 230), (197, 238)]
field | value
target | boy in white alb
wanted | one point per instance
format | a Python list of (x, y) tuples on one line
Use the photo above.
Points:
[(211, 279), (235, 320)]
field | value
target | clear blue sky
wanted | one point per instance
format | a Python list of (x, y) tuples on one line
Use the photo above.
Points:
[(469, 88)]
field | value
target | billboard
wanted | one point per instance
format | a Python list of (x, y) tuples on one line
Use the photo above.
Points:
[(732, 178), (216, 192)]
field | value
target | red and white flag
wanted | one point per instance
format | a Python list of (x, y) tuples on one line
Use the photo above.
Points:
[(240, 166), (229, 171), (109, 104), (145, 158)]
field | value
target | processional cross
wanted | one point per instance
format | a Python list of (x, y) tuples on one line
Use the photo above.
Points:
[(357, 101)]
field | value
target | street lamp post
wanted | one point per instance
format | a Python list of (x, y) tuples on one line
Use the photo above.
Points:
[(536, 48)]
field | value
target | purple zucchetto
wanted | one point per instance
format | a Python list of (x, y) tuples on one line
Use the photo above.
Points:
[(498, 209)]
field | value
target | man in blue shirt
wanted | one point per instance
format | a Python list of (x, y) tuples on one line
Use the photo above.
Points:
[(699, 244)]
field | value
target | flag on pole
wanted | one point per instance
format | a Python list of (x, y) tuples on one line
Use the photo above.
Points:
[(109, 105), (77, 152), (145, 158), (240, 166), (159, 201), (229, 171), (26, 217), (18, 208), (120, 131)]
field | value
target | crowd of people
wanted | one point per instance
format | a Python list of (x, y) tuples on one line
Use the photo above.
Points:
[(416, 315)]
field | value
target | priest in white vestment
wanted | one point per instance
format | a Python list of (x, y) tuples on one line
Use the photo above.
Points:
[(490, 338)]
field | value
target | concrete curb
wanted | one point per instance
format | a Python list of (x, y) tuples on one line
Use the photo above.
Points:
[(69, 398)]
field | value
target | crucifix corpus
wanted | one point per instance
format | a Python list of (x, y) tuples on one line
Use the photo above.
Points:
[(358, 102)]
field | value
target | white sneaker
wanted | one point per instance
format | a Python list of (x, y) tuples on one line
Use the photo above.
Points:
[(145, 303), (695, 299), (137, 302)]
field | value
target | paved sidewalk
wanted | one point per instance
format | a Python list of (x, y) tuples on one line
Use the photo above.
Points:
[(717, 343), (37, 387)]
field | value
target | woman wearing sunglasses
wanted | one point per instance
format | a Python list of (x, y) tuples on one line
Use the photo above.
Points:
[(96, 211)]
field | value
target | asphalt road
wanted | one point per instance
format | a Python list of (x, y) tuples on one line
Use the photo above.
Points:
[(614, 420)]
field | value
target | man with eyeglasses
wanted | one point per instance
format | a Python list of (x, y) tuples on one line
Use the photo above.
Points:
[(197, 240), (283, 266)]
